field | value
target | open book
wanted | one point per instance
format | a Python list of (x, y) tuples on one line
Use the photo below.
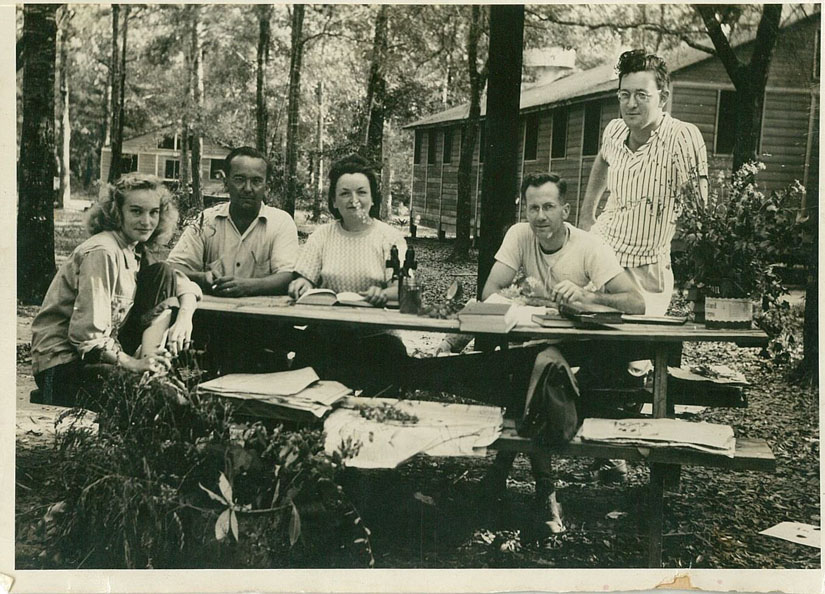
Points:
[(330, 297)]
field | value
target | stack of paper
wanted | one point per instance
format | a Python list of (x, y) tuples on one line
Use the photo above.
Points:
[(293, 395), (432, 428), (706, 437)]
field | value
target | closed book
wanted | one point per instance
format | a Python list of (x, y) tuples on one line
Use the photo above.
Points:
[(494, 318), (591, 313), (553, 321)]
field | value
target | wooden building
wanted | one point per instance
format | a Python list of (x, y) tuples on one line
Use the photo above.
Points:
[(562, 123), (158, 153)]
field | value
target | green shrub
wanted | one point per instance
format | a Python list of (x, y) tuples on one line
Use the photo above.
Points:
[(170, 481)]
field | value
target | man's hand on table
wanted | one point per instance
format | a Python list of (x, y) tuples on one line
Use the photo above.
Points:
[(229, 286), (569, 292), (299, 286)]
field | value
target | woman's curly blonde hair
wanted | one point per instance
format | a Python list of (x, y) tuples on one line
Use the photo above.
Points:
[(105, 215)]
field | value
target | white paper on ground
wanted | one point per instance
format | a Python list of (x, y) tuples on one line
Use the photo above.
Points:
[(795, 532), (678, 409)]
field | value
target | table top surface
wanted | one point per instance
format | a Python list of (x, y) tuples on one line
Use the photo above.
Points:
[(279, 308)]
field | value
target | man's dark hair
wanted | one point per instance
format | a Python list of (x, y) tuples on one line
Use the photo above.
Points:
[(639, 61), (246, 151), (354, 164), (535, 180)]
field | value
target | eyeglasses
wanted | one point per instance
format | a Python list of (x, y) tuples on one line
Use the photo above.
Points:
[(639, 96), (256, 182)]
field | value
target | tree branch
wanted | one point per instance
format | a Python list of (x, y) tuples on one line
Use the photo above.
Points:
[(725, 52), (766, 35)]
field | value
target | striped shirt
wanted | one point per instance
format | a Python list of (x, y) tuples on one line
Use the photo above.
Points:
[(639, 219)]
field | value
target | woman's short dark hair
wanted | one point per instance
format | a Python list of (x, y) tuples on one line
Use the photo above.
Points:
[(106, 213), (354, 164), (536, 180), (640, 61)]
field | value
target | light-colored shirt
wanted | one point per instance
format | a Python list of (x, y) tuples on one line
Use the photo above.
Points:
[(213, 242), (337, 259), (639, 219), (584, 259), (88, 301)]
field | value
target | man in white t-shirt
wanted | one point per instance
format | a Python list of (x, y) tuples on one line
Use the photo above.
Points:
[(567, 265)]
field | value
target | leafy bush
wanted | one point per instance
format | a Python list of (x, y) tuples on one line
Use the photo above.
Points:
[(733, 240), (170, 481)]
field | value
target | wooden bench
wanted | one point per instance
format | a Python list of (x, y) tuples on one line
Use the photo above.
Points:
[(751, 454)]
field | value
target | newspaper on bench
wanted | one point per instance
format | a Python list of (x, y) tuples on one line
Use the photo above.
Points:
[(439, 429), (659, 433), (297, 394)]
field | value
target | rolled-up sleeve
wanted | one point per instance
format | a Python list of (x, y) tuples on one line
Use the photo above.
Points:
[(186, 286), (188, 251), (91, 324), (284, 246)]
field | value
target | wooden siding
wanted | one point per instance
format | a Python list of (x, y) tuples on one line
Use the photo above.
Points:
[(792, 63), (785, 138)]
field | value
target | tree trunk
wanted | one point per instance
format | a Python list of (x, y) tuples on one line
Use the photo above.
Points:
[(469, 132), (264, 12), (377, 91), (499, 185), (197, 104), (116, 141), (35, 212), (296, 57), (318, 186), (65, 130), (810, 329), (749, 79), (386, 191)]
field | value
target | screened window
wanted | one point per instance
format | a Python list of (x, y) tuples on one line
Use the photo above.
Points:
[(559, 147), (431, 147), (128, 163), (417, 147), (167, 142), (531, 137), (725, 123), (216, 169), (172, 170), (592, 120), (482, 144), (447, 153)]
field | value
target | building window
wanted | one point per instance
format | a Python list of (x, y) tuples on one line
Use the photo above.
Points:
[(417, 147), (431, 147), (592, 121), (447, 153), (172, 169), (216, 169), (531, 137), (816, 53), (482, 143), (128, 163), (167, 142), (559, 148), (725, 123)]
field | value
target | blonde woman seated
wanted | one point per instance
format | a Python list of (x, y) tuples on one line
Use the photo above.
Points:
[(111, 302), (350, 254)]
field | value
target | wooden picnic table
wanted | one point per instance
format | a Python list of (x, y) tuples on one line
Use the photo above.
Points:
[(751, 454)]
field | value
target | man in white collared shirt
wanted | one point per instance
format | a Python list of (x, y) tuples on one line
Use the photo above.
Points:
[(242, 247), (646, 160)]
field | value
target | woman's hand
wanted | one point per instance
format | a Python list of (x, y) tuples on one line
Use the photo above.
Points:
[(179, 337), (160, 362), (299, 286), (376, 296)]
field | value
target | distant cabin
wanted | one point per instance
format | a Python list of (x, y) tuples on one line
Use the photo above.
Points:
[(562, 123), (158, 153)]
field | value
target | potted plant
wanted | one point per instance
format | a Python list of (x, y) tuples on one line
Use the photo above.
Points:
[(731, 243)]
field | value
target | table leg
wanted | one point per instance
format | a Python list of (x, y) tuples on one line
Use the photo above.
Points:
[(656, 492)]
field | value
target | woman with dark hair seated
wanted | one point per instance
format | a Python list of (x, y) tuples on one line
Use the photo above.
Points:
[(111, 302), (350, 254)]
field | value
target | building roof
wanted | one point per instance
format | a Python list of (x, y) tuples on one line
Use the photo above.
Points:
[(586, 84)]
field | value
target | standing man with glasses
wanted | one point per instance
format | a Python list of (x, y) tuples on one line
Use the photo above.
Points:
[(647, 158), (242, 247)]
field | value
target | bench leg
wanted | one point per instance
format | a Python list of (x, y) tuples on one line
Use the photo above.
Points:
[(656, 492)]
